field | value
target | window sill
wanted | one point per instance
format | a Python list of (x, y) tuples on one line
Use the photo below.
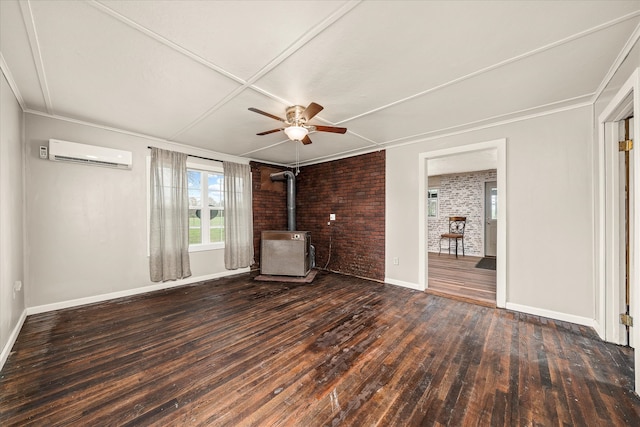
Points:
[(209, 247)]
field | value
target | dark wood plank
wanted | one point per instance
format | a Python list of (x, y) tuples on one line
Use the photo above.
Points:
[(339, 351), (459, 278)]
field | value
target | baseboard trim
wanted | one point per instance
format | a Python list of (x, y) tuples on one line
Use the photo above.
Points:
[(409, 285), (556, 315), (599, 329), (130, 292), (12, 339)]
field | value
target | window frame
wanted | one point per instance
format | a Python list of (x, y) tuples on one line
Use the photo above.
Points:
[(436, 199), (205, 169)]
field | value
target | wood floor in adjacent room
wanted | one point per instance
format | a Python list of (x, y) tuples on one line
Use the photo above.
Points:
[(459, 278), (339, 351)]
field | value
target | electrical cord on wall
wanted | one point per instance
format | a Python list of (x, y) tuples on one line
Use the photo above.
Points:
[(329, 257)]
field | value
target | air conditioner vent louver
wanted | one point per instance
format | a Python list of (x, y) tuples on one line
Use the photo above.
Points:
[(65, 151)]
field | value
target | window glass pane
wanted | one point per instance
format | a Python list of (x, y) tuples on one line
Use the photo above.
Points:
[(217, 226), (195, 232), (217, 235), (215, 190), (494, 203), (433, 207), (195, 188), (432, 202)]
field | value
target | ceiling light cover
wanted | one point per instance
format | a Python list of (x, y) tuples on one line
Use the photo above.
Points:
[(296, 133)]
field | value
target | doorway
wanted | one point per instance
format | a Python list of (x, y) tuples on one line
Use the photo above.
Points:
[(462, 272), (613, 260), (501, 257)]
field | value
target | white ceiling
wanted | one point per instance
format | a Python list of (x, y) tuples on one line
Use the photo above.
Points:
[(463, 162), (389, 71)]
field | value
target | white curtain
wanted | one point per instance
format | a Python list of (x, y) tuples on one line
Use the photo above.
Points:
[(238, 216), (169, 222)]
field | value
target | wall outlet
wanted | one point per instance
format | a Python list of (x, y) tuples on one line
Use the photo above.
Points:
[(396, 261), (332, 217), (44, 152), (17, 285)]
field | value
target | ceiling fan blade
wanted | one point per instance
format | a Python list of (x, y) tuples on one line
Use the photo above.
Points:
[(306, 140), (332, 129), (311, 111), (255, 110), (269, 131)]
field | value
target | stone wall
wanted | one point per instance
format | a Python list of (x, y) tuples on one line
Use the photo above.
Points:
[(460, 194)]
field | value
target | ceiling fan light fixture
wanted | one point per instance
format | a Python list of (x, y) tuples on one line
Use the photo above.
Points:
[(296, 133)]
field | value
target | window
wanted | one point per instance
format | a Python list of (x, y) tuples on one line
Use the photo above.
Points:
[(206, 208), (432, 202)]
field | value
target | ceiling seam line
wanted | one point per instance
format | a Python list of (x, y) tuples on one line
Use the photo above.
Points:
[(497, 65), (206, 151), (379, 145), (264, 148), (624, 52), (279, 59), (284, 101), (331, 158), (452, 132), (36, 53), (502, 118), (163, 40)]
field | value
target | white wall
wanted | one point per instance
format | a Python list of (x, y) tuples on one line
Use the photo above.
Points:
[(12, 304), (87, 225), (549, 232)]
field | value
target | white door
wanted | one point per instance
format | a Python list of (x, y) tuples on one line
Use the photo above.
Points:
[(490, 218)]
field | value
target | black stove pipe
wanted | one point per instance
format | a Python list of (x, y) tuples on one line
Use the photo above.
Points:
[(291, 196)]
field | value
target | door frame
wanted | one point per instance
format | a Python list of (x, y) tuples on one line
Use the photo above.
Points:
[(501, 171), (607, 291)]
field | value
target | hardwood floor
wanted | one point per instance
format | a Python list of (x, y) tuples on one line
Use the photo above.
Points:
[(339, 351), (459, 278)]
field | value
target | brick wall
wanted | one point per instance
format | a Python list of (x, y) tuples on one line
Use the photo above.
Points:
[(460, 194), (353, 189), (269, 203)]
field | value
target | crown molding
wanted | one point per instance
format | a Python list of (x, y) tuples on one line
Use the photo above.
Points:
[(458, 130), (12, 83), (189, 149)]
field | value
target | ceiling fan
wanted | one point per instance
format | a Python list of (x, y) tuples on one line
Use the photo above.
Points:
[(296, 126)]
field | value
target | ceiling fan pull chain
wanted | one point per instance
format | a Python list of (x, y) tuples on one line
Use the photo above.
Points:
[(297, 157)]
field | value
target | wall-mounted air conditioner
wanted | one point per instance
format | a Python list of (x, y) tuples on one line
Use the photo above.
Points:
[(65, 151)]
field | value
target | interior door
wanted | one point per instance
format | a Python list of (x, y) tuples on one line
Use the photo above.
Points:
[(490, 218)]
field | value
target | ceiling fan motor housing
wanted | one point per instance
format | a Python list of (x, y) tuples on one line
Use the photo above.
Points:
[(294, 115)]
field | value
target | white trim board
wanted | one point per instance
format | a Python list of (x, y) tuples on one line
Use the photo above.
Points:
[(556, 315), (130, 292), (607, 287), (12, 339), (403, 284)]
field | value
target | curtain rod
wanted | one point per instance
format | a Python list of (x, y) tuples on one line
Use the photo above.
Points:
[(197, 157)]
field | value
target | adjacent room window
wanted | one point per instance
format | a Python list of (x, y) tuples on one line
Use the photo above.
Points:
[(206, 207), (432, 202)]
